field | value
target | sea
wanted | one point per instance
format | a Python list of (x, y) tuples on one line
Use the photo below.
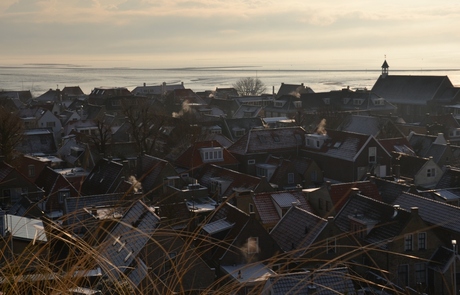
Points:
[(39, 78)]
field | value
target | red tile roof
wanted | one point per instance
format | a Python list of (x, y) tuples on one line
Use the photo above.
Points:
[(340, 192), (191, 158), (266, 204)]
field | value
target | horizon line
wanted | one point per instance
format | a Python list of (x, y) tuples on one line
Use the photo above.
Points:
[(219, 68)]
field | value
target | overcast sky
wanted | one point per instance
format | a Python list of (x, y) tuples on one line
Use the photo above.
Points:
[(297, 34)]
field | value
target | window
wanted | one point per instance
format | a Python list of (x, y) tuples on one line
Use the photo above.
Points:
[(331, 245), (31, 170), (403, 275), (320, 204), (379, 102), (327, 206), (116, 103), (314, 176), (420, 273), (290, 178), (251, 162), (261, 171), (357, 101), (430, 172), (327, 100), (278, 104), (253, 245), (421, 241), (50, 124), (251, 208), (408, 242), (212, 154), (372, 155), (239, 132)]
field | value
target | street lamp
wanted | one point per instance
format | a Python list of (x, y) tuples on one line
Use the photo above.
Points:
[(454, 246)]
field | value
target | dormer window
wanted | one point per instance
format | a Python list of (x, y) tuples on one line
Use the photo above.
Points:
[(379, 102), (346, 100), (315, 140), (116, 102), (212, 154), (239, 132), (265, 170), (298, 104), (358, 101), (278, 104)]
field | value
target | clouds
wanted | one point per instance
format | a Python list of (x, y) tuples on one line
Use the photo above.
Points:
[(249, 30)]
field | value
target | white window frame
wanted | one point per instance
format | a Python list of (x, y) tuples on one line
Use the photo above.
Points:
[(372, 157)]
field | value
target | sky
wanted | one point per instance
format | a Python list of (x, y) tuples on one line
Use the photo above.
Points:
[(284, 34)]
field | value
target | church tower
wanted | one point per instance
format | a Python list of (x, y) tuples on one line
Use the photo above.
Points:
[(385, 67)]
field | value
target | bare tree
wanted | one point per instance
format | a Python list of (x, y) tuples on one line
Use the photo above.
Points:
[(11, 132), (103, 136), (144, 123), (249, 86)]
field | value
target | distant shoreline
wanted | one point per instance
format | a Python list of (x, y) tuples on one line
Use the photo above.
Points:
[(217, 68)]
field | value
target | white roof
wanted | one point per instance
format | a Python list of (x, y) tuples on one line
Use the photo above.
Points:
[(285, 200), (217, 226), (25, 228)]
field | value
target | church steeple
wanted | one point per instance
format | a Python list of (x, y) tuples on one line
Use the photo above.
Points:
[(385, 67)]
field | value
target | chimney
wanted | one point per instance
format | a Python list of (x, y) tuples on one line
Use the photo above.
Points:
[(354, 191), (328, 185), (414, 211), (144, 84)]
